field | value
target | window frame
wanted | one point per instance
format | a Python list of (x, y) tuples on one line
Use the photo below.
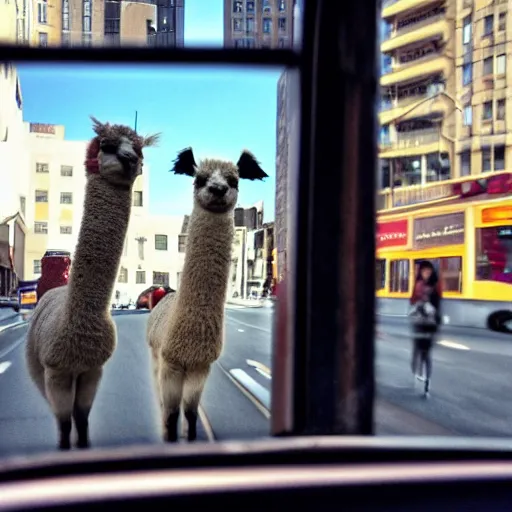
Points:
[(157, 239)]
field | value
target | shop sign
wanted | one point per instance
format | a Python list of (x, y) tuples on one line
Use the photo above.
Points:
[(391, 234), (438, 230)]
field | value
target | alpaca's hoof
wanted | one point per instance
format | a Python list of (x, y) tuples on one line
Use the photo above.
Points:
[(65, 445), (83, 444), (171, 437)]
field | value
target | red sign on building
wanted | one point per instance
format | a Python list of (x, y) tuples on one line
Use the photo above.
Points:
[(392, 234)]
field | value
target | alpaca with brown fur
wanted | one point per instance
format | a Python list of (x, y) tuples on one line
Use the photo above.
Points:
[(72, 334), (186, 328)]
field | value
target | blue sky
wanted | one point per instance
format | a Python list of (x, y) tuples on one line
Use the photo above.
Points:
[(218, 111)]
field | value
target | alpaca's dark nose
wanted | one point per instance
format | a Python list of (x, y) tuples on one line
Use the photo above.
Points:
[(218, 189)]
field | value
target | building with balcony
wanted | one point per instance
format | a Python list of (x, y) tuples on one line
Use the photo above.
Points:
[(484, 87), (418, 94), (258, 23)]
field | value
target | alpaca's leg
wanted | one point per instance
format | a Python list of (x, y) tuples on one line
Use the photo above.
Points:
[(86, 387), (60, 391), (171, 390), (192, 391)]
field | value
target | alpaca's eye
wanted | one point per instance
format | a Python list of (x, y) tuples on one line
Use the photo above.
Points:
[(200, 181), (233, 182)]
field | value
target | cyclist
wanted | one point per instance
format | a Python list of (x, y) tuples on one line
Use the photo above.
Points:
[(426, 299)]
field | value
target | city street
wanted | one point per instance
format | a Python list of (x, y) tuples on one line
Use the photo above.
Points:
[(470, 393)]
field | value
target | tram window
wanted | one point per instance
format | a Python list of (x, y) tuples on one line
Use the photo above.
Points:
[(399, 276), (380, 274), (494, 254), (451, 274)]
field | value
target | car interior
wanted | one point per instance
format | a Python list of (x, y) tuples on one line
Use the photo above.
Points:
[(322, 447)]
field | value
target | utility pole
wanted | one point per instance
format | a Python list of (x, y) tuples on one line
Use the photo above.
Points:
[(136, 115)]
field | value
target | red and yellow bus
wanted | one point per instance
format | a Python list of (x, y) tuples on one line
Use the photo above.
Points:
[(468, 238)]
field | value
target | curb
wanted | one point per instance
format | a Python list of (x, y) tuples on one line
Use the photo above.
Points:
[(246, 304), (119, 312)]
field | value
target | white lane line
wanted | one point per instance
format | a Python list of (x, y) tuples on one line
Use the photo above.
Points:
[(260, 368), (451, 344), (4, 365), (241, 330), (12, 326), (261, 394), (248, 325)]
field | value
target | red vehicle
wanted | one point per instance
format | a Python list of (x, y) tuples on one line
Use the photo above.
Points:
[(55, 266), (150, 297)]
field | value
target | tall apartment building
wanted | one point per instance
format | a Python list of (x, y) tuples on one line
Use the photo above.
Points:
[(484, 87), (418, 110), (170, 28), (258, 23), (16, 19)]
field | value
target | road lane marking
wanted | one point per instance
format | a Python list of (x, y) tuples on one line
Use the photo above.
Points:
[(206, 424), (252, 326), (259, 393), (4, 365), (451, 344), (246, 393), (241, 330), (260, 368), (14, 325)]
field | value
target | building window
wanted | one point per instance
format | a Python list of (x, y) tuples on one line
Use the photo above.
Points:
[(66, 39), (486, 159), (178, 279), (500, 110), (87, 39), (43, 39), (123, 275), (140, 277), (487, 111), (502, 21), (249, 25), (488, 25), (66, 170), (137, 198), (493, 254), (237, 25), (399, 276), (380, 274), (250, 7), (467, 73), (37, 266), (282, 5), (499, 158), (42, 11), (266, 6), (41, 196), (41, 228), (161, 278), (238, 6), (466, 31), (65, 15), (182, 243), (282, 24), (468, 115), (487, 66), (42, 167), (465, 163), (65, 230), (66, 198), (282, 43), (23, 205), (161, 242), (267, 25), (501, 64)]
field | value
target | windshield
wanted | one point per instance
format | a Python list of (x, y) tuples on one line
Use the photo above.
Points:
[(145, 252)]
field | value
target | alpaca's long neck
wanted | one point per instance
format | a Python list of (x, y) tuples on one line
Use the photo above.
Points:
[(100, 246), (205, 275)]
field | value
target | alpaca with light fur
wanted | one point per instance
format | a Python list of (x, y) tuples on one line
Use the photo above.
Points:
[(72, 334), (186, 328)]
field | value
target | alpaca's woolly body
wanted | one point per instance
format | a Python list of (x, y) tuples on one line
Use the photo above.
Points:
[(72, 334), (185, 329)]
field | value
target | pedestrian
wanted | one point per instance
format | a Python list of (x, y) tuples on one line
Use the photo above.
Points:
[(426, 315)]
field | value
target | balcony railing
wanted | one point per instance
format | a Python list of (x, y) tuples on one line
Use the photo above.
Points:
[(415, 26), (404, 102), (413, 139), (399, 67)]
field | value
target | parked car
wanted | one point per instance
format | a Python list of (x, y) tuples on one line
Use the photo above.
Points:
[(150, 297)]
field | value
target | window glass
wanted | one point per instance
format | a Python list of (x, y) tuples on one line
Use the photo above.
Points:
[(494, 254), (399, 276), (380, 274)]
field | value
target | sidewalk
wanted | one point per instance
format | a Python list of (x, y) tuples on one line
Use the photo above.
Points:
[(247, 303)]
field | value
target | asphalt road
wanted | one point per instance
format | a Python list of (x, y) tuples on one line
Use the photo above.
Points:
[(470, 395)]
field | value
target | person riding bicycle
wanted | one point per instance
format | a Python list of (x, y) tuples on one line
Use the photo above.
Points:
[(426, 315)]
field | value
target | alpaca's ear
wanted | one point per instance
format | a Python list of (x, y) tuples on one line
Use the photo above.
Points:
[(97, 126), (249, 168), (151, 140), (185, 163)]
